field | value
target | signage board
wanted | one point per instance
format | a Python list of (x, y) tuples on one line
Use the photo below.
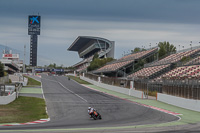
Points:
[(34, 25), (34, 21), (58, 70), (10, 55), (39, 69)]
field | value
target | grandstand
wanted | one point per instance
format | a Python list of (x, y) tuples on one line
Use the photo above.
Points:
[(124, 65), (171, 76), (177, 74), (11, 62), (174, 58), (87, 46), (10, 66), (151, 70)]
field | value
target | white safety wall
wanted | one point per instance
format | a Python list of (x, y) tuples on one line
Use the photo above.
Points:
[(180, 102), (7, 99), (131, 92)]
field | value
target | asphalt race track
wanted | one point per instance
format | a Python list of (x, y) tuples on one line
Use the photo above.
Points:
[(67, 103)]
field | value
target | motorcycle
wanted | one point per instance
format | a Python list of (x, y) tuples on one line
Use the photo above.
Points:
[(95, 115)]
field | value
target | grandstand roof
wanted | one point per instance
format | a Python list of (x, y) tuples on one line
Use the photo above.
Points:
[(81, 41)]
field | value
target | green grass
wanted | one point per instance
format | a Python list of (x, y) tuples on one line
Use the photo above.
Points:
[(31, 90), (33, 82), (77, 79), (23, 109)]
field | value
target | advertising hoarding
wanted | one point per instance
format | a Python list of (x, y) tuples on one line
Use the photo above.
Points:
[(34, 25), (10, 55)]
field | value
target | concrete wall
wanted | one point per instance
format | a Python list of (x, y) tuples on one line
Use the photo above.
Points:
[(18, 78), (131, 92), (4, 79), (180, 102), (7, 99)]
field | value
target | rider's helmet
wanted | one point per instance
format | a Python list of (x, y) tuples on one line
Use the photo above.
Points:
[(89, 108)]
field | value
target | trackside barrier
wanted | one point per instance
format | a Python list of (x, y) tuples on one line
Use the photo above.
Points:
[(7, 99), (131, 92), (180, 102)]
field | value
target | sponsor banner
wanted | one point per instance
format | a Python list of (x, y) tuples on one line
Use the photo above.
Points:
[(39, 69), (10, 55), (58, 70), (33, 25)]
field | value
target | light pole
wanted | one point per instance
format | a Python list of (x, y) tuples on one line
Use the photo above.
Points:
[(24, 67), (150, 45), (179, 47), (191, 44)]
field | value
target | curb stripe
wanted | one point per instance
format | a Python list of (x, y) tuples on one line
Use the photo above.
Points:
[(33, 122)]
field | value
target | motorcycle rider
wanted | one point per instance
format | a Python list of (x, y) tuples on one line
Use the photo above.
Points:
[(90, 111)]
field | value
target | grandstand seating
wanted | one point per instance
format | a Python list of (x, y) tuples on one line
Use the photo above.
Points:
[(153, 68), (183, 72), (173, 58), (82, 68), (149, 71), (195, 61), (113, 66), (137, 55), (82, 65)]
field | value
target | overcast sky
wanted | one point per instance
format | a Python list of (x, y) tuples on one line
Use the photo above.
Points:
[(130, 23)]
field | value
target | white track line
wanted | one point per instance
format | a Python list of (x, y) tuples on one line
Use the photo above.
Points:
[(72, 92), (68, 90)]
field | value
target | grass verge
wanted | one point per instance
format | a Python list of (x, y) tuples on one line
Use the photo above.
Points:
[(80, 81), (23, 109), (33, 82)]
